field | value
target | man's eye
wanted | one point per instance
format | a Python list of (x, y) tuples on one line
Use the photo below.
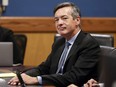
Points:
[(65, 18), (55, 19)]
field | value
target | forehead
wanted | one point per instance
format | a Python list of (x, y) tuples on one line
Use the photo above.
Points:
[(63, 11)]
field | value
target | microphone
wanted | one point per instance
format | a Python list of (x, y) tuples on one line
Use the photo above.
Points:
[(20, 79)]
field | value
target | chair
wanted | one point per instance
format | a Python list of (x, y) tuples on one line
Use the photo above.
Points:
[(104, 39), (21, 40), (106, 51), (108, 65)]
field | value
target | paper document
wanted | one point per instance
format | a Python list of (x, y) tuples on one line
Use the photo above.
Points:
[(6, 73)]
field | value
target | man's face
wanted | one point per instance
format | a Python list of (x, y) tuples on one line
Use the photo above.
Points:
[(64, 22)]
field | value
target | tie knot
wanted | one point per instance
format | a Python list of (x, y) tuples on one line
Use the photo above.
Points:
[(68, 44)]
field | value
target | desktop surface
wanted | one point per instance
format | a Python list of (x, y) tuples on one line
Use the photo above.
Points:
[(21, 68)]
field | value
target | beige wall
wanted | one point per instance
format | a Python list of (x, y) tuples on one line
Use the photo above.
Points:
[(38, 47)]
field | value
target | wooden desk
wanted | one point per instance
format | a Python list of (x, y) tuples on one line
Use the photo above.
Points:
[(21, 68), (14, 68)]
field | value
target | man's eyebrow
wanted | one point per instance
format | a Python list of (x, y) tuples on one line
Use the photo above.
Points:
[(61, 16)]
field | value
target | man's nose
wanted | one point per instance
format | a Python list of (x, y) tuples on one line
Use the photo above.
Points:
[(60, 21)]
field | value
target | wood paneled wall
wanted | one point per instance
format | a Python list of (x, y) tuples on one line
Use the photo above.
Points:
[(40, 32), (46, 24)]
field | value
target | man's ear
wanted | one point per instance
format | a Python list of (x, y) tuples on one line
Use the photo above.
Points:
[(78, 20)]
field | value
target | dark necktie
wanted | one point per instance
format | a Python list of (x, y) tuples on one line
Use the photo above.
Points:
[(63, 59)]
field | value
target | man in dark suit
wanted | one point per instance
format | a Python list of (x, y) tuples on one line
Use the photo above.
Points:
[(81, 59)]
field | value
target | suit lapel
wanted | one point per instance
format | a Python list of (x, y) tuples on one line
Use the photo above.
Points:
[(59, 52), (58, 48), (76, 46)]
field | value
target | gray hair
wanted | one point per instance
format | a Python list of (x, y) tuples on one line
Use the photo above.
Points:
[(75, 9)]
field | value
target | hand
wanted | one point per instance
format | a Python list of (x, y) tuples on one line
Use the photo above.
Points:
[(26, 78), (72, 85), (91, 83), (14, 81)]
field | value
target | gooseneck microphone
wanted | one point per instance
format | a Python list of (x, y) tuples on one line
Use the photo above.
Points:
[(20, 79)]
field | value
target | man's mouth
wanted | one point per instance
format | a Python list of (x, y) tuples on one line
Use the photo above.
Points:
[(61, 28)]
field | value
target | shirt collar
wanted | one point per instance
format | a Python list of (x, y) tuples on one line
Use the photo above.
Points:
[(71, 41)]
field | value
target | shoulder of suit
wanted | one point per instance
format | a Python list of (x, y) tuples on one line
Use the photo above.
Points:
[(5, 30)]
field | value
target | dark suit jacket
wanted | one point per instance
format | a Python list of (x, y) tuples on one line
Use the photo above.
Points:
[(80, 66), (6, 35)]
